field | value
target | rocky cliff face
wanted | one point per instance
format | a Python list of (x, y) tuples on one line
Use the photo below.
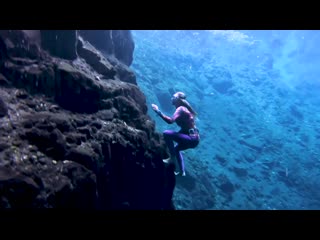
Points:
[(117, 43), (74, 129), (61, 43)]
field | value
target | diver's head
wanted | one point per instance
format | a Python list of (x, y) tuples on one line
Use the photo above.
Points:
[(177, 97)]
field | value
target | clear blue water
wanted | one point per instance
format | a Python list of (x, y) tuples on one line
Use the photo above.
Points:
[(257, 96)]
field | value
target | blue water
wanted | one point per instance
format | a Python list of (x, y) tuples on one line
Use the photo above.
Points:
[(257, 96)]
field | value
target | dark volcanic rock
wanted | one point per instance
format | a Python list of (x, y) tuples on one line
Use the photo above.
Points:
[(76, 91), (95, 59), (72, 140), (3, 108), (117, 43), (3, 81), (26, 189), (60, 43), (123, 46), (125, 74), (15, 43)]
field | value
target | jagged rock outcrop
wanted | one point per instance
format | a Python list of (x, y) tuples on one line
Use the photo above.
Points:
[(63, 43), (108, 67), (60, 43), (95, 59), (73, 134), (118, 43)]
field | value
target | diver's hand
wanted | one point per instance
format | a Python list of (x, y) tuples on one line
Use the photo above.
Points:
[(155, 108)]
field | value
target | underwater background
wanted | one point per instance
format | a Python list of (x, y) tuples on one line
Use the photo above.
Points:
[(257, 98)]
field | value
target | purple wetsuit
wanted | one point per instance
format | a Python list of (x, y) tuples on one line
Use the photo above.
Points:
[(187, 137)]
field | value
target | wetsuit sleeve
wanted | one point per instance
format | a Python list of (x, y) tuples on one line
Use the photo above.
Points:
[(172, 119)]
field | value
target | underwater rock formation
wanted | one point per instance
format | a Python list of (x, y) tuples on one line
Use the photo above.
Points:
[(74, 129), (117, 43)]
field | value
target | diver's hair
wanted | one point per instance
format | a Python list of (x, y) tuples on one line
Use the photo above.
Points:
[(186, 104), (182, 97)]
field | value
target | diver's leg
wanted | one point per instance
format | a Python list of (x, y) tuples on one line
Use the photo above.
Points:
[(184, 142), (180, 162), (169, 136)]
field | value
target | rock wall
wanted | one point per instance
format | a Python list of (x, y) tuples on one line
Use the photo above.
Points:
[(74, 129)]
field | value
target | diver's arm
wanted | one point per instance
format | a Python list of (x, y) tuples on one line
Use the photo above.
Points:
[(166, 118)]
